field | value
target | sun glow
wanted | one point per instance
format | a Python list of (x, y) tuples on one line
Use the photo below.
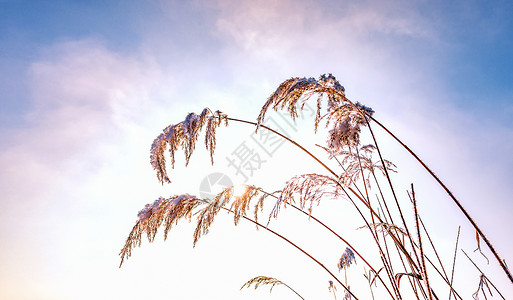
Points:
[(239, 189)]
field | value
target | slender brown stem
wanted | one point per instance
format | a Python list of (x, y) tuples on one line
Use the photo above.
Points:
[(401, 247), (336, 176), (482, 273), (386, 263), (454, 261), (337, 235), (297, 247), (444, 275), (293, 290), (460, 206), (346, 242), (288, 139), (389, 180), (424, 270)]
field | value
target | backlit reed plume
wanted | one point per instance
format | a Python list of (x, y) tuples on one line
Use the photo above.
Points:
[(346, 259), (345, 117), (163, 212), (310, 189), (166, 212), (184, 135), (265, 280), (238, 207), (344, 120)]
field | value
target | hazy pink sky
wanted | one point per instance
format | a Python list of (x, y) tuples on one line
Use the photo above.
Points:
[(87, 87)]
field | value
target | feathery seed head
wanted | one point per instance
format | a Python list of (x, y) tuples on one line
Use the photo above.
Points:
[(360, 163), (329, 81), (161, 212), (345, 116), (346, 259), (184, 135), (331, 286), (310, 188), (261, 281)]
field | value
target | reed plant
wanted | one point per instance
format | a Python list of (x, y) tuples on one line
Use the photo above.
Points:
[(404, 262)]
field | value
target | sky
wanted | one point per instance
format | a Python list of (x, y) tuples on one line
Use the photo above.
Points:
[(87, 85)]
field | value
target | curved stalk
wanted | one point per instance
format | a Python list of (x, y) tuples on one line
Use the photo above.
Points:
[(297, 247), (347, 243), (423, 269), (458, 204), (340, 237), (401, 247)]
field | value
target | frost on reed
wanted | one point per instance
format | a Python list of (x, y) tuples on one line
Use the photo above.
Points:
[(352, 168), (167, 212), (343, 117), (184, 135), (163, 212), (265, 280), (346, 259)]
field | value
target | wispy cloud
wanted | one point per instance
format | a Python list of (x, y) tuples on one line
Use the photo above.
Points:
[(86, 104), (93, 110)]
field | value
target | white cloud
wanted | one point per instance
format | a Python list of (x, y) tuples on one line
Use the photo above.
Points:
[(280, 28), (95, 112), (87, 105)]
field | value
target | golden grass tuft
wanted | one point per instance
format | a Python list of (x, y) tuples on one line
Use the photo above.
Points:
[(344, 120), (241, 203), (261, 281), (207, 214), (310, 188), (265, 280), (345, 116), (162, 212), (184, 135)]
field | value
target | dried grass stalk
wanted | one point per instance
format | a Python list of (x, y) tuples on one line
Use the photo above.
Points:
[(184, 135), (161, 212), (310, 188), (265, 280), (357, 162), (207, 214), (346, 259), (241, 202), (344, 116), (386, 228)]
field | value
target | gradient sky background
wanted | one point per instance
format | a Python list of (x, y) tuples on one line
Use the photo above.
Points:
[(87, 85)]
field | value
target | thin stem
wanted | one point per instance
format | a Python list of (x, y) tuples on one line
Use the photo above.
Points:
[(346, 242), (424, 270), (293, 290), (482, 273), (460, 206), (326, 227), (297, 247), (288, 139), (454, 261), (306, 151), (389, 180), (444, 275), (382, 256), (363, 176), (401, 247), (338, 236)]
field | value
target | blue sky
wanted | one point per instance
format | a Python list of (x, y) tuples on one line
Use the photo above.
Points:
[(86, 86)]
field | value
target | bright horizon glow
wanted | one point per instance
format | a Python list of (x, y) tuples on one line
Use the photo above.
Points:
[(87, 87)]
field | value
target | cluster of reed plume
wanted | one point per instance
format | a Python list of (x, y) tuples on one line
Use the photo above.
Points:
[(398, 246)]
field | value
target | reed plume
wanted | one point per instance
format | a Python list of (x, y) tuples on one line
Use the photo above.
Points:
[(265, 280), (344, 120), (184, 135), (162, 211)]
